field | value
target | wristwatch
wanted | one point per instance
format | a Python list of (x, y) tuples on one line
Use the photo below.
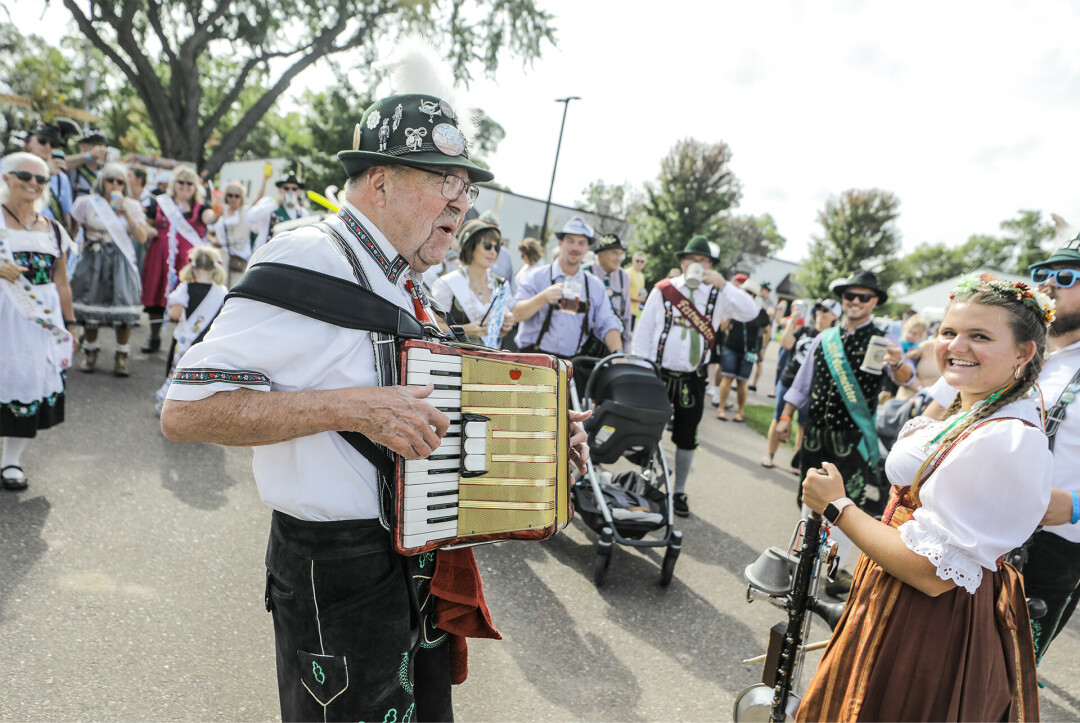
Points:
[(834, 508)]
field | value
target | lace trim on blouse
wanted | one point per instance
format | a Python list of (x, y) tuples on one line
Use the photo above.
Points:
[(952, 563), (914, 424)]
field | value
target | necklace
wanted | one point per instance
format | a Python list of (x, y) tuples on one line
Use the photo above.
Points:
[(29, 227)]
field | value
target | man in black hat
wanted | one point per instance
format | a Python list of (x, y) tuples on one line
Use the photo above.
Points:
[(677, 329), (846, 366), (83, 169), (47, 142), (355, 634), (269, 212), (610, 252)]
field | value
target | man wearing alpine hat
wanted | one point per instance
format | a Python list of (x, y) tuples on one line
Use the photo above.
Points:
[(563, 309), (677, 329), (266, 213), (358, 634), (608, 268), (840, 427)]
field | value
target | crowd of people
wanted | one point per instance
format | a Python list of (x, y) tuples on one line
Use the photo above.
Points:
[(85, 245)]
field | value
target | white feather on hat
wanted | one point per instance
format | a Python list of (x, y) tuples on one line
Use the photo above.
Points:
[(416, 67)]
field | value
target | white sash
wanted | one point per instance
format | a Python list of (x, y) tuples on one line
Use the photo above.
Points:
[(189, 328), (21, 294), (177, 225), (116, 230), (459, 283)]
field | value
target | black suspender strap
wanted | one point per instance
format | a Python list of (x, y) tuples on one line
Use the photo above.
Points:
[(1056, 414)]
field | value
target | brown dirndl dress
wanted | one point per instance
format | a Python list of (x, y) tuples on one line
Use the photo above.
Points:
[(900, 655)]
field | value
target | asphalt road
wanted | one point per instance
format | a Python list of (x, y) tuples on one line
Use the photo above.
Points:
[(131, 586)]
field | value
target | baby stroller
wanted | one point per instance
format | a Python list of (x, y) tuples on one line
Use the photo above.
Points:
[(630, 411)]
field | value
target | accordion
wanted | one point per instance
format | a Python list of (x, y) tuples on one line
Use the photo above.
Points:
[(502, 471)]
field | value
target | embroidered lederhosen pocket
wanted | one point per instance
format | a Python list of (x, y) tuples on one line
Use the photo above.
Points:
[(325, 676)]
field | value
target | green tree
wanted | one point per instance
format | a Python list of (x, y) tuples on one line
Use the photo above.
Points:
[(928, 264), (615, 205), (164, 49), (858, 233), (1026, 234), (691, 196), (744, 237)]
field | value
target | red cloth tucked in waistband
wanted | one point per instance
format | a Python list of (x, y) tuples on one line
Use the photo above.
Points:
[(460, 608)]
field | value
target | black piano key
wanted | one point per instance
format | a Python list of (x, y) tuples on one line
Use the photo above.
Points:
[(444, 506), (437, 520), (444, 493), (445, 470), (443, 373)]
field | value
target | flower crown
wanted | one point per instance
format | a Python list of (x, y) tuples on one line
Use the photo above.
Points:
[(1018, 291)]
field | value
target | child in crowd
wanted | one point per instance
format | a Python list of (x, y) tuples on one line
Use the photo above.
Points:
[(193, 304)]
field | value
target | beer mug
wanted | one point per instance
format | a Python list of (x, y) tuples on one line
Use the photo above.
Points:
[(571, 295), (874, 360), (695, 275), (217, 201), (116, 200)]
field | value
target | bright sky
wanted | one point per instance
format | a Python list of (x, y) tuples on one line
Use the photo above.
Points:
[(965, 110)]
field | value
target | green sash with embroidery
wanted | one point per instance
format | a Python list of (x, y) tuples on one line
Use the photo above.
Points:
[(282, 214), (850, 391)]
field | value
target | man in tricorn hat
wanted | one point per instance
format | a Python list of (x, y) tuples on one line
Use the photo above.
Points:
[(353, 621), (610, 252), (677, 329), (846, 358), (266, 213), (563, 309), (1052, 569)]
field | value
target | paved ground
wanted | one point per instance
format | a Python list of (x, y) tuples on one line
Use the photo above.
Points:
[(131, 587)]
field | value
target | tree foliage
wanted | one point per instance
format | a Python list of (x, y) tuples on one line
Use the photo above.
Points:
[(168, 50), (858, 233), (691, 196), (1026, 234), (744, 237), (616, 206), (930, 264)]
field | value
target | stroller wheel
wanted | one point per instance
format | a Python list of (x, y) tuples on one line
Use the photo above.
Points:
[(603, 557), (667, 569)]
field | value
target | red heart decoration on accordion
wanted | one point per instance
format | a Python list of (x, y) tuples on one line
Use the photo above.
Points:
[(515, 374)]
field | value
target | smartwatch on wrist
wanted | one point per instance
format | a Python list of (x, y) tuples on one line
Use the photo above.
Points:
[(834, 508)]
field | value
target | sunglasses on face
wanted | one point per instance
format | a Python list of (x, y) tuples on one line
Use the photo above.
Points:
[(487, 245), (232, 195), (184, 183), (853, 296), (121, 181), (43, 141), (25, 177), (288, 189), (1062, 278)]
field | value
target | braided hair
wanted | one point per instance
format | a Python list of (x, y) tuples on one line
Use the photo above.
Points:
[(1027, 324)]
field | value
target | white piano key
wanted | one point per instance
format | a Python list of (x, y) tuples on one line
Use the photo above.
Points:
[(475, 463), (448, 445), (475, 445), (426, 503), (450, 395), (421, 515), (416, 535), (423, 465), (421, 377), (476, 429), (420, 483), (424, 358)]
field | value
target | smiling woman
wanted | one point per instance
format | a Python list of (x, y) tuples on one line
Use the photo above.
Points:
[(967, 490), (35, 313)]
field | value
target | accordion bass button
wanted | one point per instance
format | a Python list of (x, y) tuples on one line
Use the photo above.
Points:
[(475, 429), (475, 463), (475, 446)]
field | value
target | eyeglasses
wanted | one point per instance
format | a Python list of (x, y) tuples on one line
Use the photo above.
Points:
[(488, 246), (184, 183), (853, 296), (639, 261), (25, 177), (46, 141), (287, 189), (232, 195), (121, 181), (1062, 278), (453, 186)]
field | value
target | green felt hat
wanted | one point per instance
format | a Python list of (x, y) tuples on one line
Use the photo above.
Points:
[(412, 130), (700, 246), (608, 242), (290, 177), (1067, 253)]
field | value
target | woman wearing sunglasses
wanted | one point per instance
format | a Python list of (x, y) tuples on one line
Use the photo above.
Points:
[(233, 234), (36, 318), (471, 292), (181, 218), (105, 283)]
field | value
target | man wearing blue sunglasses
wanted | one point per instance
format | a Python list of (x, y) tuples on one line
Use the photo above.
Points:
[(1052, 571)]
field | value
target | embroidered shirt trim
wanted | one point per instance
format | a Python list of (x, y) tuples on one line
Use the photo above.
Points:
[(212, 376), (391, 269)]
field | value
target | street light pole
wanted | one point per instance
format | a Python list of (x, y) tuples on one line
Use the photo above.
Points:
[(551, 188)]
